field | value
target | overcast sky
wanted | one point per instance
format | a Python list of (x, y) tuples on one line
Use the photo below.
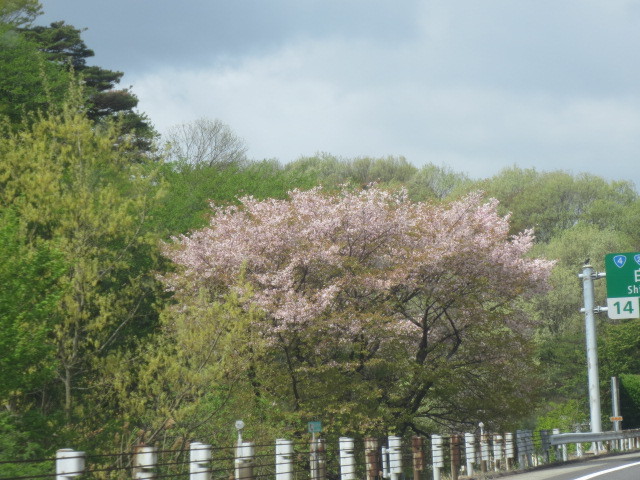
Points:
[(476, 85)]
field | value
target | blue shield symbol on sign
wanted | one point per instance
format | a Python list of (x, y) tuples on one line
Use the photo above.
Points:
[(637, 259), (620, 260)]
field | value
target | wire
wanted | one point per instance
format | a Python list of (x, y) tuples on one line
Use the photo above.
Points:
[(30, 476), (41, 460)]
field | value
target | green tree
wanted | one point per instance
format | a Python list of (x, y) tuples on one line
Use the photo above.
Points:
[(435, 182), (191, 378), (28, 82), (62, 45), (378, 312), (19, 12), (37, 63), (553, 202), (192, 187), (618, 355), (630, 400), (560, 336), (75, 187), (332, 172), (28, 312), (425, 183), (28, 299)]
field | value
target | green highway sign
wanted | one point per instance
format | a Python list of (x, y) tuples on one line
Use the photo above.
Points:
[(623, 285), (314, 427)]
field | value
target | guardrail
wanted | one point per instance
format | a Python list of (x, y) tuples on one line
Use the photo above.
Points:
[(589, 437), (391, 458)]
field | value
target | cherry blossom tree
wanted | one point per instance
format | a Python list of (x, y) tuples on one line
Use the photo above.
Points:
[(377, 310)]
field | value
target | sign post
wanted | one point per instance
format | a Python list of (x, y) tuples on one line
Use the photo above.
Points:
[(623, 285), (588, 275), (317, 464)]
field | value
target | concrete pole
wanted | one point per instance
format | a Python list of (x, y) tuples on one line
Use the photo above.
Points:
[(245, 460), (437, 455), (347, 459), (372, 468), (417, 450), (592, 348), (145, 461), (470, 452), (199, 461), (284, 459), (395, 457), (615, 403), (69, 464), (318, 459), (454, 449)]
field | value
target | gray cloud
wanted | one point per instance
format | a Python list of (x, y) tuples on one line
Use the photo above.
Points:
[(139, 34), (476, 85)]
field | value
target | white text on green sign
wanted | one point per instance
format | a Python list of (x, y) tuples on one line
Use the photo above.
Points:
[(623, 285)]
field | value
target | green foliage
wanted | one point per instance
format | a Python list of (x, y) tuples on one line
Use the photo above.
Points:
[(28, 83), (191, 189), (62, 45), (552, 202), (25, 437), (75, 189), (19, 12), (425, 183), (434, 182), (429, 182), (619, 348), (28, 299), (192, 378), (630, 400), (38, 62), (332, 172), (86, 355), (568, 416), (560, 338)]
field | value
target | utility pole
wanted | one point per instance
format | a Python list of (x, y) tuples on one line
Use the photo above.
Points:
[(588, 276)]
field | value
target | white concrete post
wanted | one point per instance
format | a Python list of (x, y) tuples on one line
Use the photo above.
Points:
[(347, 459), (199, 458), (470, 451), (395, 457), (145, 461), (498, 454), (579, 450), (485, 451), (509, 449), (385, 463), (284, 459), (437, 453), (69, 464), (244, 461), (317, 459)]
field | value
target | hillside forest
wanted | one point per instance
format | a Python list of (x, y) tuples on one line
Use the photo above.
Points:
[(159, 288)]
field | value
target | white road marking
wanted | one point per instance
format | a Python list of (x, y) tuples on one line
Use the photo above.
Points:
[(597, 474)]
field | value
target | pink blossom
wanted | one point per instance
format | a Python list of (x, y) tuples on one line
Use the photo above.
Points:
[(315, 258)]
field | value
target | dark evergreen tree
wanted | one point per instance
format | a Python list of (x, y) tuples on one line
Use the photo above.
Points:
[(62, 44)]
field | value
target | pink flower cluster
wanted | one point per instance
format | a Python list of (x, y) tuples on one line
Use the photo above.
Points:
[(321, 259)]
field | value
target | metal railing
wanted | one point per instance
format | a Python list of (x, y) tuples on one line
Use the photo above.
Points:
[(344, 458)]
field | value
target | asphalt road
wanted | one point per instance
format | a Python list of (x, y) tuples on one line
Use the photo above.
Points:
[(619, 467)]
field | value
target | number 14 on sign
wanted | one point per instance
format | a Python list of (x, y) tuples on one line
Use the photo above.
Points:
[(624, 307)]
